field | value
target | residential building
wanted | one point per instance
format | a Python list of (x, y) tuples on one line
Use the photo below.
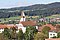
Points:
[(52, 34), (3, 26)]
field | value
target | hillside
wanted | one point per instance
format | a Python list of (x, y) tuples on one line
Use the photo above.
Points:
[(37, 9)]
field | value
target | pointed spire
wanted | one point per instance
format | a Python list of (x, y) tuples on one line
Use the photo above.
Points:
[(22, 16), (22, 13)]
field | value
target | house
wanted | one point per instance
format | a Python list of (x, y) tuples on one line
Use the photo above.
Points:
[(52, 34), (20, 26), (42, 19), (58, 19), (52, 31), (3, 26)]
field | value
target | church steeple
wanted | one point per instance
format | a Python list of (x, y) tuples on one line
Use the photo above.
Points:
[(22, 16), (22, 13)]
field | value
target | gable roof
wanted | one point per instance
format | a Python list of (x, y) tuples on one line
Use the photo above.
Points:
[(2, 26), (6, 26), (51, 26), (57, 27), (26, 23), (48, 25)]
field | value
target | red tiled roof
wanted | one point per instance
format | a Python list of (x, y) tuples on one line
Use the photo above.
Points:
[(51, 26), (57, 27), (48, 25), (2, 26), (53, 39), (31, 23), (5, 26)]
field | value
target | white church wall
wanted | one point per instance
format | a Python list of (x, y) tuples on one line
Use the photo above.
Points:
[(20, 26)]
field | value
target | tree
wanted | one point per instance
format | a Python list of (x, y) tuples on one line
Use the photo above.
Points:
[(58, 34), (1, 36), (45, 30), (54, 23), (29, 34), (6, 33), (20, 35), (42, 23), (13, 33), (4, 19), (40, 36)]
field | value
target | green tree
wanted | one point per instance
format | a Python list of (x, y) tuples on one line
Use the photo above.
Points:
[(42, 23), (45, 30), (40, 36), (13, 33), (20, 35), (1, 36), (6, 33), (58, 34), (54, 23), (4, 19), (29, 34)]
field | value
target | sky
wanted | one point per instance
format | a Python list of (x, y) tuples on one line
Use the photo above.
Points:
[(20, 3)]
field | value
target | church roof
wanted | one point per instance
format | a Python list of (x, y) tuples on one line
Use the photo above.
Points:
[(26, 23)]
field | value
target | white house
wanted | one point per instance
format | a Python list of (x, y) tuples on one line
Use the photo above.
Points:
[(20, 26), (1, 30), (52, 34), (3, 26)]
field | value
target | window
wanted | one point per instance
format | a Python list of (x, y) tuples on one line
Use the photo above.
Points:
[(53, 34), (50, 34)]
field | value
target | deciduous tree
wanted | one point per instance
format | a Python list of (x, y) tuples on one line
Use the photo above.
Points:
[(20, 35), (40, 36)]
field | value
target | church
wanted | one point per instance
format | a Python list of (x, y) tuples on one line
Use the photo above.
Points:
[(23, 23)]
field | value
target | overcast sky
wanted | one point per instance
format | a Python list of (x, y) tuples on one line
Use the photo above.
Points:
[(19, 3)]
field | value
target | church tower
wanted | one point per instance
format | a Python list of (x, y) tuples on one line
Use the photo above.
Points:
[(23, 18)]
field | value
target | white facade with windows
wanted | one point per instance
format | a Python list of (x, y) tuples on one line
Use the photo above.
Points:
[(52, 34), (1, 30), (20, 26), (36, 27)]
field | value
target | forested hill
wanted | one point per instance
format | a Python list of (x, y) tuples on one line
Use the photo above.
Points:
[(37, 9)]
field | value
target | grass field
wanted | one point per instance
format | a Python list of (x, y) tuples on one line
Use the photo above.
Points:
[(18, 18), (15, 18), (54, 16)]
